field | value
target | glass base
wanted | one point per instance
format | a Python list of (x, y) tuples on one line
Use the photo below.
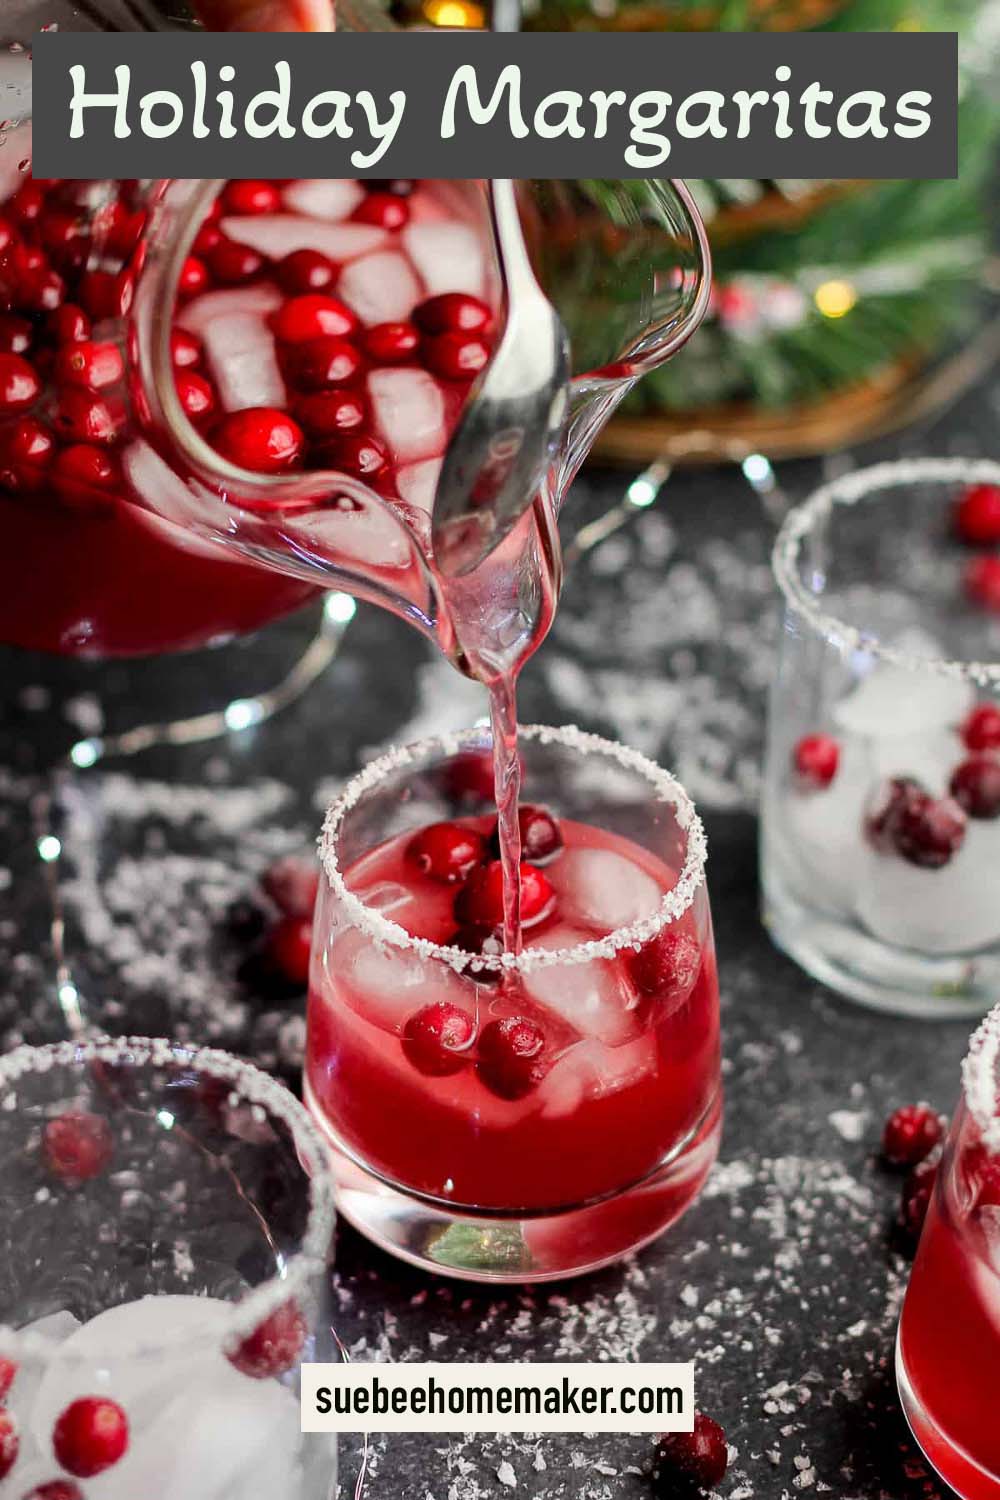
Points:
[(835, 950), (967, 1478), (498, 1249)]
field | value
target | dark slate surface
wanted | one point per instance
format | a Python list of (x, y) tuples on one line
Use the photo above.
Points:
[(783, 1283)]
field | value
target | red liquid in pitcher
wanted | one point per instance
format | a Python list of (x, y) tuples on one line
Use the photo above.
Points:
[(551, 1088)]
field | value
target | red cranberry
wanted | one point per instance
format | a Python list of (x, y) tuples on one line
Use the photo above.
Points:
[(8, 235), (885, 807), (470, 777), (511, 1057), (8, 1369), (77, 1146), (918, 1188), (288, 947), (696, 1459), (27, 203), (361, 456), (452, 312), (293, 885), (250, 197), (386, 210), (16, 334), (88, 365), (480, 902), (69, 324), (26, 450), (233, 264), (104, 294), (401, 186), (312, 316), (65, 237), (446, 851), (56, 1489), (977, 515), (121, 230), (667, 965), (975, 786), (306, 271), (911, 1133), (42, 291), (486, 941), (274, 1346), (10, 1442), (323, 362), (987, 1174), (83, 473), (19, 384), (206, 240), (456, 356), (541, 838), (90, 1436), (929, 831), (437, 1039), (981, 730), (185, 349), (262, 438), (86, 418), (196, 395), (327, 413), (815, 758), (390, 343), (982, 582), (193, 277)]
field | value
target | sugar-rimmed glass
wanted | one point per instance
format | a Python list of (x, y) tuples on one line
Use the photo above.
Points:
[(168, 1221), (887, 683), (612, 1139), (948, 1350)]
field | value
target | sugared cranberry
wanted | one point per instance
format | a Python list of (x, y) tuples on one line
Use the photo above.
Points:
[(667, 965), (918, 1188), (274, 1346), (975, 785), (250, 197), (390, 343), (928, 831), (83, 473), (696, 1459), (193, 277), (185, 349), (324, 414), (981, 730), (55, 1489), (10, 1442), (306, 271), (196, 395), (87, 418), (313, 316), (90, 1436), (232, 264), (77, 1146), (452, 312), (262, 438), (292, 884), (19, 384), (8, 1369), (456, 356), (446, 851), (69, 324), (16, 334), (480, 901), (386, 210), (437, 1039), (541, 839), (977, 515), (288, 947), (911, 1133), (815, 759), (26, 449), (89, 365), (512, 1058), (356, 454), (323, 362), (982, 582)]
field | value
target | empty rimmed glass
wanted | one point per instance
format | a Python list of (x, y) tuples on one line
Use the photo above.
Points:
[(948, 1350), (168, 1222), (611, 1138), (880, 815)]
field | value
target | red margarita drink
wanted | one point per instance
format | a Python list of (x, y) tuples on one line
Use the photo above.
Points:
[(515, 1115), (948, 1354)]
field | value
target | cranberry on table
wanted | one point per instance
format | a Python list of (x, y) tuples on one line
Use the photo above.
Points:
[(981, 730), (233, 264), (480, 901), (975, 785), (977, 515), (446, 852), (456, 356), (288, 948), (437, 1039), (390, 343), (196, 395), (250, 197), (306, 271), (928, 831), (815, 759), (697, 1459), (323, 362), (452, 312), (89, 365), (385, 210), (918, 1189), (273, 1347), (666, 965), (19, 384), (324, 414), (10, 1442), (512, 1059), (982, 582), (301, 319), (77, 1146), (263, 438), (911, 1133), (90, 1436)]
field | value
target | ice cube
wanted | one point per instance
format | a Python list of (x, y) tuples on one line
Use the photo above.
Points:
[(381, 288), (174, 512), (385, 985), (417, 483), (590, 1071), (955, 909), (243, 362), (372, 535), (409, 411), (595, 998), (277, 235), (826, 830), (261, 299), (448, 257), (893, 701), (332, 198), (603, 890)]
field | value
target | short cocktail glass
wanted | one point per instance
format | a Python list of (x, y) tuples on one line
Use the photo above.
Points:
[(574, 1109), (881, 804), (948, 1350), (168, 1220)]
